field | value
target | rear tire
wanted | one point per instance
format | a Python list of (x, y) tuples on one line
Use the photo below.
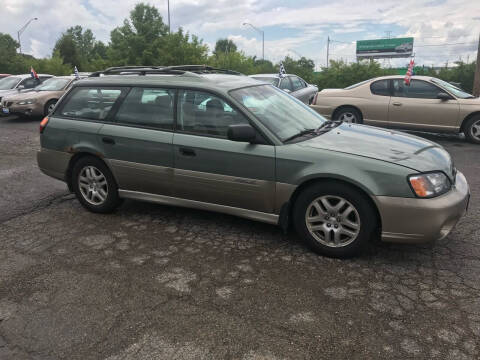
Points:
[(343, 227), (94, 185), (348, 114), (472, 129)]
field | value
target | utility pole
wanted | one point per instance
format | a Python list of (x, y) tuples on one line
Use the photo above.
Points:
[(168, 5), (328, 48), (476, 80)]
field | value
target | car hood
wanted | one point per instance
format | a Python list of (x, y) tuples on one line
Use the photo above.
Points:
[(11, 92), (391, 146), (34, 94)]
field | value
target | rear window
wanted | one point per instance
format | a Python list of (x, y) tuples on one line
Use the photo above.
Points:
[(357, 84), (90, 103), (381, 87), (148, 108)]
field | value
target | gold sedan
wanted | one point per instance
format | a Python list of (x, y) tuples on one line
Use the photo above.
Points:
[(427, 104)]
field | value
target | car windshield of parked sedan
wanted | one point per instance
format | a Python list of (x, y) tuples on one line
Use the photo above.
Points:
[(53, 84), (453, 89), (281, 113), (271, 80), (9, 82)]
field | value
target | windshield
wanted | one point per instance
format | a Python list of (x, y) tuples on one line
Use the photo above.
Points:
[(9, 82), (271, 80), (281, 113), (53, 84), (453, 89)]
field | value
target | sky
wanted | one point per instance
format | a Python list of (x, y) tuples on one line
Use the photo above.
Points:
[(443, 30)]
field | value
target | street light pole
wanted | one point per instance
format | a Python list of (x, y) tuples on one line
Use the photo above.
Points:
[(22, 29), (263, 38), (168, 4)]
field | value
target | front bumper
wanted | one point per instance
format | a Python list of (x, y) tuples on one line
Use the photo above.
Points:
[(413, 220), (35, 109)]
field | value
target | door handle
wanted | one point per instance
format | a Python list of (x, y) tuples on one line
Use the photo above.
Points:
[(108, 140), (397, 103), (187, 152)]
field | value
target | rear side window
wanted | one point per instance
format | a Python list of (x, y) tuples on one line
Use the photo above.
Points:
[(148, 107), (381, 87), (285, 84), (90, 103)]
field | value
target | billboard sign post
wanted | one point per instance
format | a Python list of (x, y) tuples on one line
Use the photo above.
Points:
[(385, 48)]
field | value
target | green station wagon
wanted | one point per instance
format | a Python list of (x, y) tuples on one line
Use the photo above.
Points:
[(209, 139)]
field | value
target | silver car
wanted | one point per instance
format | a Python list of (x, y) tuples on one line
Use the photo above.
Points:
[(292, 84)]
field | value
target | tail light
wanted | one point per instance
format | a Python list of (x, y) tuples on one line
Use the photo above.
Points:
[(314, 102), (43, 124)]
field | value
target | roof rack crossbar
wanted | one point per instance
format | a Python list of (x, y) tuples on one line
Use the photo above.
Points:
[(177, 70)]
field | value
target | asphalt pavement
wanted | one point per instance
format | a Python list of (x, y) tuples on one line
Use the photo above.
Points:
[(159, 282)]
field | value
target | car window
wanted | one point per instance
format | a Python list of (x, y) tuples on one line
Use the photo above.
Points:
[(286, 84), (90, 103), (30, 83), (206, 114), (297, 83), (417, 89), (147, 107), (381, 87)]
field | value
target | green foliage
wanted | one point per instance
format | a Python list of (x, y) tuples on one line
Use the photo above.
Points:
[(340, 74), (224, 46), (463, 73), (8, 54), (303, 67)]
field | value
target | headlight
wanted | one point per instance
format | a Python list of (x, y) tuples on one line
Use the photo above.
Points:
[(26, 102), (429, 185)]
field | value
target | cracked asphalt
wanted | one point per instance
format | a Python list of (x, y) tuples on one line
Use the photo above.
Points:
[(159, 282)]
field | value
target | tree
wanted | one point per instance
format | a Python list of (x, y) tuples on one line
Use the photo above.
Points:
[(181, 48), (67, 48), (224, 46), (138, 40), (8, 54)]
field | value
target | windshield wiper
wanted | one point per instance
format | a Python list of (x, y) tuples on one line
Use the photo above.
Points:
[(301, 133), (328, 125)]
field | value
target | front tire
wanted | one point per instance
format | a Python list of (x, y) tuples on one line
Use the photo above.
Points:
[(334, 219), (472, 129), (348, 115), (94, 185), (49, 106)]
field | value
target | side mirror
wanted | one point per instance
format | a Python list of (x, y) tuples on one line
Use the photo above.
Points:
[(241, 133), (287, 90), (443, 96)]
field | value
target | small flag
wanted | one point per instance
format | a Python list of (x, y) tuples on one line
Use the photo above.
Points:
[(408, 75), (281, 72), (33, 73), (77, 75)]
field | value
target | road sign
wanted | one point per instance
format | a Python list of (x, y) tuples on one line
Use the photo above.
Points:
[(385, 48)]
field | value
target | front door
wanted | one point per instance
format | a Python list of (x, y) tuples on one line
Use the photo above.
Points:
[(417, 107), (138, 142), (212, 169)]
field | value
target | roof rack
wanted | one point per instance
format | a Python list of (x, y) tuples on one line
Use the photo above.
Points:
[(172, 70)]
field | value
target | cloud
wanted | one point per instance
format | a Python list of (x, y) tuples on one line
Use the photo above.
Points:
[(302, 25)]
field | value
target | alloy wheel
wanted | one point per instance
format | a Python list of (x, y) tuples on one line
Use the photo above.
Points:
[(93, 185), (50, 108), (475, 130), (348, 117), (332, 221)]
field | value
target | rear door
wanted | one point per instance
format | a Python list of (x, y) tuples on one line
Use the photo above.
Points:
[(138, 142), (417, 107), (212, 169)]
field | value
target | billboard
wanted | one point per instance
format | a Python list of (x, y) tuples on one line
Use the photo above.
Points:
[(385, 48)]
